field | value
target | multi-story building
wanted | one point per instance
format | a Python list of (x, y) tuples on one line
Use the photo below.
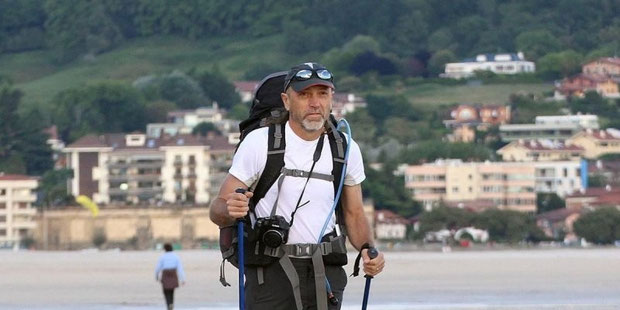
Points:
[(182, 122), (561, 177), (346, 103), (597, 142), (540, 150), (578, 85), (557, 127), (16, 211), (496, 63), (246, 89), (609, 66), (475, 115), (594, 198), (504, 185), (132, 168), (390, 226)]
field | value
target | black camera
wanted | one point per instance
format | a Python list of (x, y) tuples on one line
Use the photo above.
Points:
[(273, 230)]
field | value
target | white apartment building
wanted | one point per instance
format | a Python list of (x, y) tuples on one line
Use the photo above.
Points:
[(16, 210), (556, 127), (135, 169), (496, 63), (560, 177), (182, 122)]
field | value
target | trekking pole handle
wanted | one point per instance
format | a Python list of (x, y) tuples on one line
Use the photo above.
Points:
[(240, 191), (372, 253)]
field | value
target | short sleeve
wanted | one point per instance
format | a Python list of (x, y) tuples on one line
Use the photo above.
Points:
[(355, 166), (250, 158)]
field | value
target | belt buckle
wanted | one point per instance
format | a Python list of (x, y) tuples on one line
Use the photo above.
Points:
[(302, 249)]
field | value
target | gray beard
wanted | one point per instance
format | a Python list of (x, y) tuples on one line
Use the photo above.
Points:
[(313, 125)]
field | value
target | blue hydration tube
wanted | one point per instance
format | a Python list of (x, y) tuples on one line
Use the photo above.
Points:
[(337, 197)]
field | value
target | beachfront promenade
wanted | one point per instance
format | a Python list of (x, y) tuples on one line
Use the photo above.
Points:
[(510, 279)]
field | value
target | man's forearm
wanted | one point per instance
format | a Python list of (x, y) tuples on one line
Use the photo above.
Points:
[(358, 230), (219, 213)]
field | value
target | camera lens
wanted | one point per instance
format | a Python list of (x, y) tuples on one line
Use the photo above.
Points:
[(273, 238)]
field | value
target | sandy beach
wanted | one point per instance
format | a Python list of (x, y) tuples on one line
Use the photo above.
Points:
[(508, 279)]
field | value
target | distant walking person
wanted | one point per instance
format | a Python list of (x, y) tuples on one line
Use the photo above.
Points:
[(169, 272)]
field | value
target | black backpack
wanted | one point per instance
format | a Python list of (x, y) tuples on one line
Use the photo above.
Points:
[(268, 110)]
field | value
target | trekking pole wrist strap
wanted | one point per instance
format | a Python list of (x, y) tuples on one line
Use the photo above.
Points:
[(356, 265)]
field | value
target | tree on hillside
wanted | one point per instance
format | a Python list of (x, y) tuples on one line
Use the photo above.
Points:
[(176, 86), (204, 128), (559, 65), (443, 217), (535, 44), (98, 108), (508, 226), (217, 88), (23, 147), (601, 226), (546, 202), (77, 27)]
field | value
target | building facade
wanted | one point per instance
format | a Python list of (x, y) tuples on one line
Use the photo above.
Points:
[(540, 150), (597, 142), (496, 63), (119, 168), (578, 85), (608, 66), (503, 185), (17, 215), (557, 127), (560, 177)]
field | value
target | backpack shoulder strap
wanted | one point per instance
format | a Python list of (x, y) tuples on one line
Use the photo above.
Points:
[(338, 145), (274, 164)]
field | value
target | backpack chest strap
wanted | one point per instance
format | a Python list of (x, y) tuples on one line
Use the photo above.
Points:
[(304, 174)]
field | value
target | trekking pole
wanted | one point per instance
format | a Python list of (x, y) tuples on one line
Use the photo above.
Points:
[(241, 257), (372, 253)]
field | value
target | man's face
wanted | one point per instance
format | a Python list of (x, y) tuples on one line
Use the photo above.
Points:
[(310, 107)]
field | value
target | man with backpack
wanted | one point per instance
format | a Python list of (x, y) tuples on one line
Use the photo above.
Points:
[(289, 264)]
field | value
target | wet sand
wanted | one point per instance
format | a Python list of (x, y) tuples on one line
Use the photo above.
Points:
[(510, 279)]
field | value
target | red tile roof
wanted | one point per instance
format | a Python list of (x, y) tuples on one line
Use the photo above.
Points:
[(246, 86), (558, 214), (604, 134), (547, 145), (389, 217)]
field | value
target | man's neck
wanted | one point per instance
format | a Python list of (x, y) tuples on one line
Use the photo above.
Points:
[(304, 134)]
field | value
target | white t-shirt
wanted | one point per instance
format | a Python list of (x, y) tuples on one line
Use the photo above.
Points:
[(249, 163)]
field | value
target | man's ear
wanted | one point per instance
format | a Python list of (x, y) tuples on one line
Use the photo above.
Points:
[(284, 97)]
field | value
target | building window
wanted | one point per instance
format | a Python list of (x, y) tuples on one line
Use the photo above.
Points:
[(2, 205), (2, 218), (2, 232), (455, 189), (2, 191), (565, 172), (471, 189)]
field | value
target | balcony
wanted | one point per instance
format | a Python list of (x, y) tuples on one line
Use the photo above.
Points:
[(136, 191), (27, 211), (29, 225), (121, 165), (24, 198), (134, 177)]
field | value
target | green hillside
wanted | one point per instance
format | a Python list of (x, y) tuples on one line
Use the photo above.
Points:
[(36, 75), (40, 79)]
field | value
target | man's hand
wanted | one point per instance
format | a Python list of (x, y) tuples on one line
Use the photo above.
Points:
[(373, 267), (237, 204)]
